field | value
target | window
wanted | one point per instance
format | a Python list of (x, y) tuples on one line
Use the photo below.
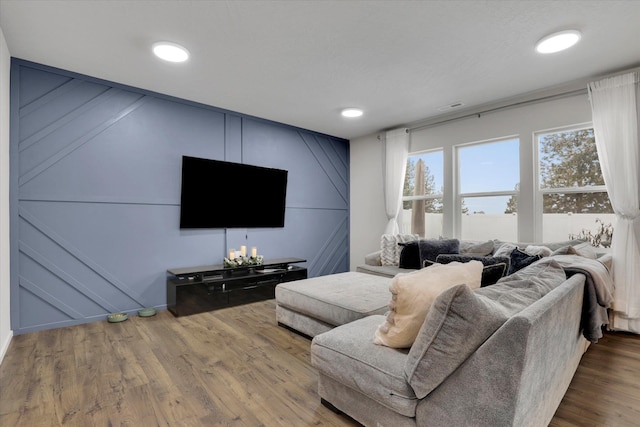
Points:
[(422, 195), (571, 195), (488, 189)]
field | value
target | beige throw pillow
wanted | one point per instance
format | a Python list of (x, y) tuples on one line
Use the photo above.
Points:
[(412, 295)]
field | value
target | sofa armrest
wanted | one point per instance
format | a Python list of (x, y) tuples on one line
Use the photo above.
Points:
[(520, 374), (373, 258)]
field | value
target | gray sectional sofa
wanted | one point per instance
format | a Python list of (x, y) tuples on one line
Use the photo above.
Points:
[(503, 355), (373, 262)]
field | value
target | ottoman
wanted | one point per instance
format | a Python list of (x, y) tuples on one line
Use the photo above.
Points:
[(316, 305)]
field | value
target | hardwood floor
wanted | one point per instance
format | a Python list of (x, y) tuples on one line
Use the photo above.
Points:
[(232, 367), (605, 390)]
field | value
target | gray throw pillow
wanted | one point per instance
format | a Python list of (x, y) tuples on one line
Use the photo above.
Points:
[(543, 251), (458, 322), (557, 245), (505, 249), (539, 278), (431, 248), (476, 248), (485, 260), (410, 255), (561, 251), (519, 260), (492, 273)]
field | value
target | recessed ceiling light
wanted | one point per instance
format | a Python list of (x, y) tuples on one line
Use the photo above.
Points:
[(171, 52), (351, 112), (558, 41)]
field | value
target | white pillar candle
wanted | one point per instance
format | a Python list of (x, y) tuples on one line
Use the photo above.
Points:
[(232, 254), (243, 250), (254, 252)]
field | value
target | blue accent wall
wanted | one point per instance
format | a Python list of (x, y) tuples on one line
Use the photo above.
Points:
[(95, 194)]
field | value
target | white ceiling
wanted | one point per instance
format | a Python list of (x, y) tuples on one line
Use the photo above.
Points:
[(300, 62)]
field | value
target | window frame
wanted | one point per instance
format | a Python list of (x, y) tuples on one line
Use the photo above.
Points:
[(538, 192), (458, 196), (426, 196)]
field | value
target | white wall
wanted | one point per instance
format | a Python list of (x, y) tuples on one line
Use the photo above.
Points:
[(367, 203), (367, 217), (5, 323)]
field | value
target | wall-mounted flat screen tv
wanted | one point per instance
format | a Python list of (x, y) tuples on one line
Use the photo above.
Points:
[(219, 194)]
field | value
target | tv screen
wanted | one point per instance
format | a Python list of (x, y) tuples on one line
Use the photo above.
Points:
[(218, 194)]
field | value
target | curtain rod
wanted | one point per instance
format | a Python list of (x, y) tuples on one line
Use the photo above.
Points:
[(496, 109), (561, 95), (504, 107)]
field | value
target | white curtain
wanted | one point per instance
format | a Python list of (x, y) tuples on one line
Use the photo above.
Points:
[(614, 106), (396, 150)]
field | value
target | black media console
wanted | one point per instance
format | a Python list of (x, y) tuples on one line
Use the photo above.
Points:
[(199, 289)]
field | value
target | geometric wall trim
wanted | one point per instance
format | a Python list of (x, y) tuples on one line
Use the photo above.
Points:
[(95, 194)]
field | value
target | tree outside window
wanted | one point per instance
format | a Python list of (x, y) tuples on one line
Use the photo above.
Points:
[(512, 203), (422, 195), (571, 187)]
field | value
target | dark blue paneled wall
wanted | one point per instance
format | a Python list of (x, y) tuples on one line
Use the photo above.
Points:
[(95, 194)]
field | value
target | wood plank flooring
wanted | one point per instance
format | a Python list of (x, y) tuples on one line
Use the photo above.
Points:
[(605, 390), (232, 367)]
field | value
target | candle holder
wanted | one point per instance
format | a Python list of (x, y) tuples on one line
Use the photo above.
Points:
[(243, 261)]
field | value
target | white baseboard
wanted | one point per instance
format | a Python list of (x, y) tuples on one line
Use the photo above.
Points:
[(5, 346)]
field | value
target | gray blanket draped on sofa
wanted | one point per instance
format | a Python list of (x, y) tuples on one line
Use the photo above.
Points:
[(598, 292)]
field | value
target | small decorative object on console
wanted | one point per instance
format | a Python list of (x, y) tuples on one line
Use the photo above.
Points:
[(243, 261)]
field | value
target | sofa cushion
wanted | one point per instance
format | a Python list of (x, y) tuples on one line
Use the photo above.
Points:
[(508, 249), (485, 260), (475, 248), (412, 295), (461, 319), (492, 273), (561, 251), (539, 272), (540, 250), (505, 250), (519, 260), (338, 298), (410, 255), (494, 267), (347, 355), (551, 245), (414, 254), (556, 245), (389, 249), (431, 248)]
